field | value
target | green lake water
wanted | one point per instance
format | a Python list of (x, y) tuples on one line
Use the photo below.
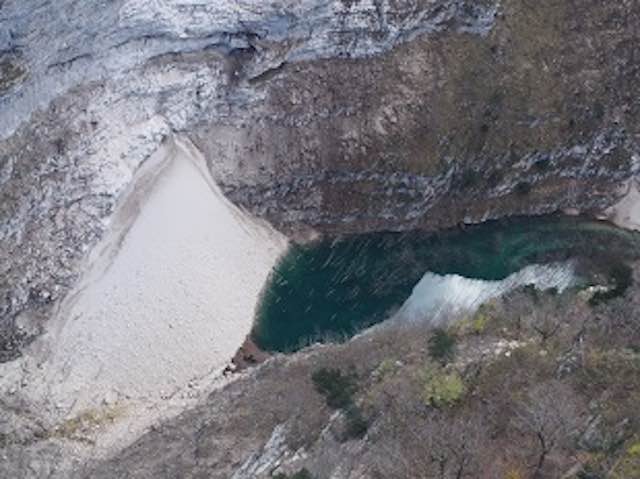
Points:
[(336, 287)]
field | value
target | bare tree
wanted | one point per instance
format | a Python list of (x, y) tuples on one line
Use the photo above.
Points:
[(429, 444), (550, 416), (541, 312)]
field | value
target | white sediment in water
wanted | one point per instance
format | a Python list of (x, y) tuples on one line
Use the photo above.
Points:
[(436, 297), (168, 297)]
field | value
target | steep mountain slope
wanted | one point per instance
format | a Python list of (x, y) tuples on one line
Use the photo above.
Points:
[(330, 115), (318, 116)]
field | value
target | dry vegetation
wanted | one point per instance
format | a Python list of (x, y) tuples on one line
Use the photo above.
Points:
[(532, 386), (83, 426), (536, 385), (10, 74)]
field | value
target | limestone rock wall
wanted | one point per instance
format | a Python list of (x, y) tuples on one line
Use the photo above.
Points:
[(88, 90), (331, 115)]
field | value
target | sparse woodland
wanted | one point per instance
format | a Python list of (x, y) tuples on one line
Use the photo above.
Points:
[(533, 385)]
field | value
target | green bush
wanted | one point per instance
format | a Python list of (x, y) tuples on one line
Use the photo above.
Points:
[(523, 188), (480, 322), (356, 423), (622, 277), (587, 473), (301, 474), (476, 324), (442, 389), (596, 467), (337, 388), (442, 346), (495, 178), (387, 367), (469, 179), (628, 467), (542, 165)]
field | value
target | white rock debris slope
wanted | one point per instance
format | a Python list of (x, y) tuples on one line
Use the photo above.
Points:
[(168, 297)]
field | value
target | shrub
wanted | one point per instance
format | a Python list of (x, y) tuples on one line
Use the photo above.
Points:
[(598, 110), (337, 388), (387, 367), (442, 389), (523, 188), (596, 467), (622, 277), (542, 165), (356, 424), (514, 473), (476, 323), (628, 466), (80, 425), (495, 178), (301, 474), (587, 473), (480, 322), (469, 179), (442, 346)]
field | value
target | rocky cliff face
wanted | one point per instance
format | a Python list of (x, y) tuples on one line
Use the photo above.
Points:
[(447, 127), (331, 115), (88, 90)]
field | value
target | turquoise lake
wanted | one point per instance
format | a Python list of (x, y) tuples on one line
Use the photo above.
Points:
[(336, 287)]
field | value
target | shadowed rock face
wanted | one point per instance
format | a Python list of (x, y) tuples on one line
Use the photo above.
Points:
[(332, 115), (448, 126)]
